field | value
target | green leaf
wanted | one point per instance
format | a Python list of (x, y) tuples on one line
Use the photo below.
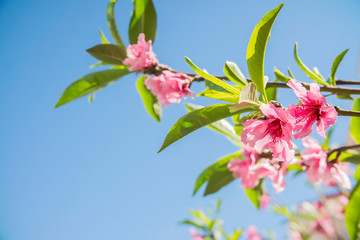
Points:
[(210, 85), (236, 234), (112, 24), (255, 54), (192, 223), (290, 73), (108, 53), (143, 20), (233, 72), (103, 38), (255, 194), (315, 77), (90, 83), (217, 181), (219, 165), (352, 214), (355, 122), (152, 105), (280, 76), (218, 204), (212, 79), (335, 66), (350, 157), (357, 174), (271, 93), (344, 96), (222, 126), (198, 119), (325, 145), (222, 96)]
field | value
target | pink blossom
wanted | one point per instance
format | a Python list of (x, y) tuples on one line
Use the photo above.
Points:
[(169, 87), (265, 199), (140, 55), (313, 108), (295, 235), (195, 234), (315, 158), (272, 133), (252, 168), (252, 233), (336, 174), (323, 225), (319, 169)]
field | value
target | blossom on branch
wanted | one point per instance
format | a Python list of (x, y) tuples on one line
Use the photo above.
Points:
[(320, 169), (254, 167), (140, 55), (169, 87), (313, 108), (272, 132)]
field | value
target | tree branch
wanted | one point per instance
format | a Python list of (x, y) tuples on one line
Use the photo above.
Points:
[(344, 148)]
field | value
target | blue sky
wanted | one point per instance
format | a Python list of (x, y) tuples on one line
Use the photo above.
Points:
[(90, 171)]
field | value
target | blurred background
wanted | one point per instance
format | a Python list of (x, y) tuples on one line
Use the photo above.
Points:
[(91, 171)]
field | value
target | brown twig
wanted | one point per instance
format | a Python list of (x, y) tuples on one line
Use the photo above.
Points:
[(344, 148)]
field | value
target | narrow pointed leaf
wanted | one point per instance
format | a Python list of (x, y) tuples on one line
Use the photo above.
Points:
[(211, 78), (108, 53), (335, 66), (143, 20), (255, 54), (90, 83), (103, 38), (306, 70), (223, 126), (255, 194), (233, 72), (355, 122), (280, 76), (217, 181), (112, 24), (223, 96), (152, 105), (198, 119), (219, 165), (352, 214)]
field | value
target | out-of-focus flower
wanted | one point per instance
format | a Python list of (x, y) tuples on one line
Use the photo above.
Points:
[(295, 235), (336, 173), (195, 234), (265, 199), (315, 158), (313, 108), (140, 55), (252, 233), (272, 133), (319, 169), (169, 87)]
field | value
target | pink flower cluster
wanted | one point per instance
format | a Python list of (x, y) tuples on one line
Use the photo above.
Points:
[(319, 220), (253, 167), (140, 55), (314, 158), (168, 87), (273, 131)]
